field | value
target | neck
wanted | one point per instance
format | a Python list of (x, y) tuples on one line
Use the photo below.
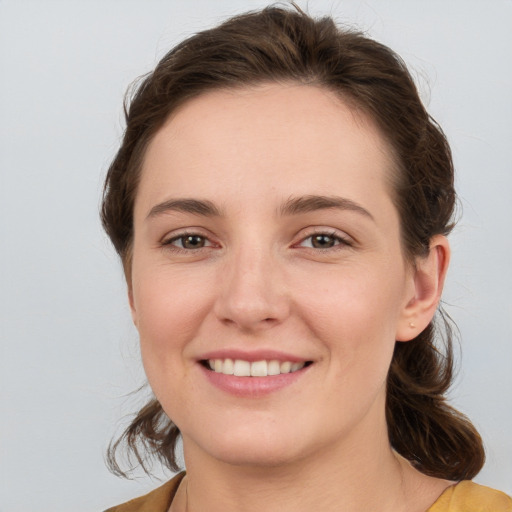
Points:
[(358, 474)]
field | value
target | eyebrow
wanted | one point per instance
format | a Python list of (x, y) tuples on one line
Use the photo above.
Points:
[(310, 203), (293, 206), (195, 206)]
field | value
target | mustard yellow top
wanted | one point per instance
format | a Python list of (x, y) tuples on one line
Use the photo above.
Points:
[(465, 496)]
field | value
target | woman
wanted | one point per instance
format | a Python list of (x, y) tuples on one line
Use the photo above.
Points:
[(280, 203)]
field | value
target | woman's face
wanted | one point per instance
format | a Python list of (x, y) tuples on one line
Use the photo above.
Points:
[(266, 240)]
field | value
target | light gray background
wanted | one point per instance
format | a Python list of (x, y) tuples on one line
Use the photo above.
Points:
[(68, 352)]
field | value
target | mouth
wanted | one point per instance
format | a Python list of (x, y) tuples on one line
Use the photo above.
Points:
[(262, 368)]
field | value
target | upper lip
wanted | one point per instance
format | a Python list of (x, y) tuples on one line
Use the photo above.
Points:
[(253, 355)]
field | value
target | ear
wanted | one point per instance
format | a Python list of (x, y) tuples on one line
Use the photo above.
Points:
[(427, 281), (132, 304), (131, 299), (127, 268)]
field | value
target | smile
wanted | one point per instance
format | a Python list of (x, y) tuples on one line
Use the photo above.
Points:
[(242, 368)]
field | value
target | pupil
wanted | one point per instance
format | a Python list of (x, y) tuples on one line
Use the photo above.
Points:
[(323, 241), (193, 242)]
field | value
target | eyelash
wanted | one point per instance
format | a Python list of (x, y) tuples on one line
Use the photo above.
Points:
[(339, 241), (169, 243)]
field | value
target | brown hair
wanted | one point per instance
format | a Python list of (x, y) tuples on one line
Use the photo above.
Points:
[(282, 45)]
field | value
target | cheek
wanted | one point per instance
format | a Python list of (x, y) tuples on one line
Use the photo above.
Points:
[(355, 313), (361, 298), (170, 312), (169, 309)]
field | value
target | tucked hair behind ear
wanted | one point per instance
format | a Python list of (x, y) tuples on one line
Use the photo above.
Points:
[(286, 45)]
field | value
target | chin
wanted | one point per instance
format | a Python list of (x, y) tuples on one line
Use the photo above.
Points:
[(255, 446), (264, 455)]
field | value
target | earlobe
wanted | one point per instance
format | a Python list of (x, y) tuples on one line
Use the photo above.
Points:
[(428, 278)]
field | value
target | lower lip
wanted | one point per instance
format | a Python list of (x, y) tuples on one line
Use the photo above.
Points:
[(252, 386)]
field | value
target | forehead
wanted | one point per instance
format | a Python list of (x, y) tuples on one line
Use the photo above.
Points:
[(271, 139)]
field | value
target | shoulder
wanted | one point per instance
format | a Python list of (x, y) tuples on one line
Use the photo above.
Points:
[(158, 500), (467, 496)]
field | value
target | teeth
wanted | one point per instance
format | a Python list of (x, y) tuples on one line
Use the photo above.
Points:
[(286, 367), (259, 369), (228, 367), (241, 368), (273, 368), (296, 366)]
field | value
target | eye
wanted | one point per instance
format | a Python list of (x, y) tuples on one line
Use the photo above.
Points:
[(323, 241), (188, 242)]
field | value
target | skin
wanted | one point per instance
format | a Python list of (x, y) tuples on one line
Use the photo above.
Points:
[(255, 280)]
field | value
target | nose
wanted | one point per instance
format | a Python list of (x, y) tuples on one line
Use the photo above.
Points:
[(252, 295)]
